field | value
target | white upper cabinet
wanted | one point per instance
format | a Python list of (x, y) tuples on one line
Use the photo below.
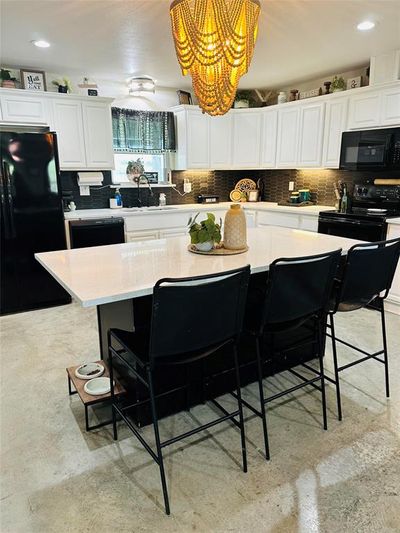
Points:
[(97, 129), (197, 139), (68, 124), (364, 111), (220, 141), (335, 125), (288, 129), (24, 109), (391, 107), (269, 132), (246, 139), (311, 135)]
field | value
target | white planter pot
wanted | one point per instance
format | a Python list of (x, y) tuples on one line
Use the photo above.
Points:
[(205, 246)]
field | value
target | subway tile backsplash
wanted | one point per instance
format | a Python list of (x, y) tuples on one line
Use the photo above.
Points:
[(221, 182)]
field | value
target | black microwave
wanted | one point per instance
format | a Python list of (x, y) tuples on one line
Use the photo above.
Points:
[(370, 150)]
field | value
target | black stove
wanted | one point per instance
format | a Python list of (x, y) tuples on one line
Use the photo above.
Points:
[(366, 220)]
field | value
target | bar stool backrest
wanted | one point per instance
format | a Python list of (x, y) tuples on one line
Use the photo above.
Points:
[(299, 287), (193, 314), (369, 271)]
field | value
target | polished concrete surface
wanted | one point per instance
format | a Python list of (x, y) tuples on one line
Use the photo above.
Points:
[(55, 477)]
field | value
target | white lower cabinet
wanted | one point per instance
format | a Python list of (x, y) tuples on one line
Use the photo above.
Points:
[(173, 232), (286, 220), (136, 236), (308, 222), (393, 300)]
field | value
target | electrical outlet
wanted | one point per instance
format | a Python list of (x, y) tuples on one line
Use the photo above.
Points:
[(84, 190), (291, 185), (187, 186)]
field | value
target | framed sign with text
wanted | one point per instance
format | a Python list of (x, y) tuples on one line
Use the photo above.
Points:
[(33, 80)]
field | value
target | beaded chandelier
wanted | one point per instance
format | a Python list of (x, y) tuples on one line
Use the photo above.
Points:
[(214, 42)]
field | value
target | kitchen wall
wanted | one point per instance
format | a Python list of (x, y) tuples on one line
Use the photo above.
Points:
[(221, 182)]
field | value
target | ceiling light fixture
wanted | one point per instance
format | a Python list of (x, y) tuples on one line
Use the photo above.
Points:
[(365, 25), (141, 84), (214, 43), (41, 44)]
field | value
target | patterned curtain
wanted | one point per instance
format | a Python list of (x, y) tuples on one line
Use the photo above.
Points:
[(143, 131)]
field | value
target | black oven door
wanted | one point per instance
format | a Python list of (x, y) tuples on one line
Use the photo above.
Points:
[(364, 150), (363, 230)]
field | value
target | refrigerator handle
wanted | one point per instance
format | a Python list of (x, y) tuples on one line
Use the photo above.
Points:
[(7, 202)]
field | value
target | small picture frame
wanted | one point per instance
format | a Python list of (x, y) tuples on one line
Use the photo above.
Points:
[(184, 97), (252, 196), (33, 80), (353, 83)]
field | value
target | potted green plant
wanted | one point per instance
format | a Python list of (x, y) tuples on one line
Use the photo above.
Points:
[(134, 169), (244, 99), (64, 85), (7, 81), (338, 84), (204, 234)]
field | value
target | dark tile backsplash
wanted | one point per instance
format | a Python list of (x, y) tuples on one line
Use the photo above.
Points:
[(221, 182)]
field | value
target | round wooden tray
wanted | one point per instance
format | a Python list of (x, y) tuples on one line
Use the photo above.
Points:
[(217, 251)]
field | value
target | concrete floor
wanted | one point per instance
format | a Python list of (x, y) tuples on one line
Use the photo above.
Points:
[(58, 478)]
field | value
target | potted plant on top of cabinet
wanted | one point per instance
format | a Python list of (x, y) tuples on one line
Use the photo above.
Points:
[(338, 84), (7, 81)]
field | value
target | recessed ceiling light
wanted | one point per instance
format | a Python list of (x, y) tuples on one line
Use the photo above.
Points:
[(41, 44), (365, 25)]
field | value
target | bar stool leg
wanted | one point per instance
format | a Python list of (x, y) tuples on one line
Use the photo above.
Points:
[(158, 444), (262, 400), (321, 369), (240, 407), (111, 370), (385, 351), (335, 366)]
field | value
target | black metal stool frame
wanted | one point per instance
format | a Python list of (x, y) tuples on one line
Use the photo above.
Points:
[(157, 455), (378, 301), (315, 338)]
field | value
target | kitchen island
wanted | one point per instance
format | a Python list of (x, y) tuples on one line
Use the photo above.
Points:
[(119, 279)]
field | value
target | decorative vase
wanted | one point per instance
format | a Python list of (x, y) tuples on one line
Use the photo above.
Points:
[(204, 246), (282, 98), (8, 84), (235, 231)]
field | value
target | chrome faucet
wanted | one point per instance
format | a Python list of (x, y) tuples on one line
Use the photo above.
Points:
[(138, 180)]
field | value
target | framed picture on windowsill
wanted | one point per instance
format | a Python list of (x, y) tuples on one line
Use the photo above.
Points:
[(33, 80), (185, 98)]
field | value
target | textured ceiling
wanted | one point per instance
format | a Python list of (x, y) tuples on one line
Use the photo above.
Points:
[(114, 39)]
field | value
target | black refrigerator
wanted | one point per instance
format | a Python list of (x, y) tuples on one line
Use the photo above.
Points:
[(31, 220)]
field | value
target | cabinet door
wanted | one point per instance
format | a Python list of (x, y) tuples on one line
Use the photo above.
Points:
[(24, 109), (335, 124), (97, 129), (288, 122), (311, 135), (391, 107), (68, 124), (309, 222), (364, 111), (221, 141), (268, 138), (246, 139), (173, 232), (197, 139)]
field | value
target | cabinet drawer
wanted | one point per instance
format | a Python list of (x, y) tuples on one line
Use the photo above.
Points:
[(286, 220)]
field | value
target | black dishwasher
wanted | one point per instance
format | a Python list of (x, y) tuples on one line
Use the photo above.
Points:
[(96, 232)]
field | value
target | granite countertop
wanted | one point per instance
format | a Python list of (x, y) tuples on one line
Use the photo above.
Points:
[(127, 212), (105, 274)]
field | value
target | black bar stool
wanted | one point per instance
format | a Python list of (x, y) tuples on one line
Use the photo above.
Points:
[(182, 331), (366, 280), (297, 292)]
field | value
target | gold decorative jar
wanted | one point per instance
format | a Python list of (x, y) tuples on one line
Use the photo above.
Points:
[(235, 230)]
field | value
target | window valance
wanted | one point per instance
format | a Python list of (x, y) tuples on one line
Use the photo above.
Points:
[(143, 131)]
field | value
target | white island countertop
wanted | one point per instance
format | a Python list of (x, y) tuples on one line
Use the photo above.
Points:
[(105, 274), (84, 214)]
